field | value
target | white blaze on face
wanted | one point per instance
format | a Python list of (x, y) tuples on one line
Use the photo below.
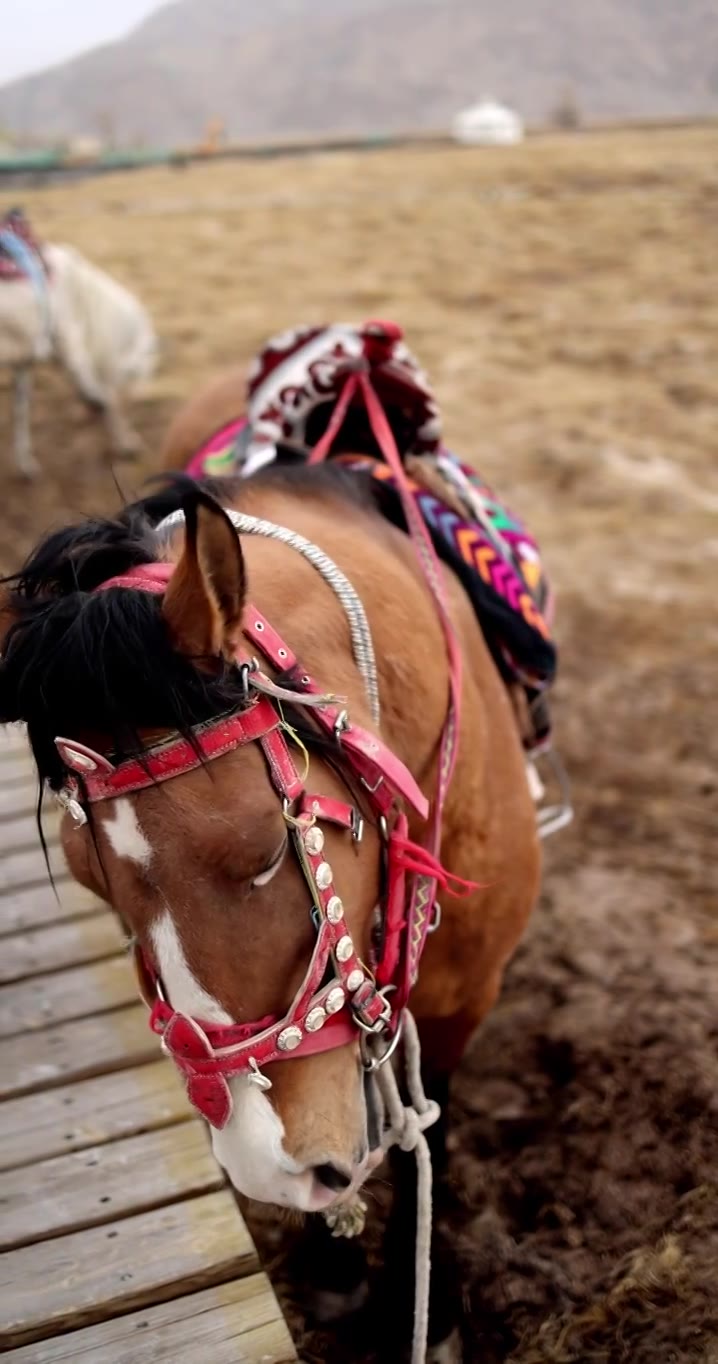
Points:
[(250, 1147), (125, 835)]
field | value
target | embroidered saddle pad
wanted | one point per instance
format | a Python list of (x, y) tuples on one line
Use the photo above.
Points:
[(293, 387)]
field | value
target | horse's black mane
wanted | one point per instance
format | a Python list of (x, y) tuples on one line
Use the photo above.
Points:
[(76, 662)]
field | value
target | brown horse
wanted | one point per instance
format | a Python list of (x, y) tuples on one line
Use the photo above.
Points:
[(200, 867), (217, 403)]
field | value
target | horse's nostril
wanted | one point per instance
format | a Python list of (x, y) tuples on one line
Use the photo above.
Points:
[(332, 1177)]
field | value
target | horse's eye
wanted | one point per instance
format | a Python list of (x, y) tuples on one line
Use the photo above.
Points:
[(265, 876)]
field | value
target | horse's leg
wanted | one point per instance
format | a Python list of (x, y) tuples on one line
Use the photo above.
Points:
[(397, 1280), (338, 1265), (443, 1043), (73, 356), (445, 1298), (25, 461), (124, 440), (97, 394), (332, 1272)]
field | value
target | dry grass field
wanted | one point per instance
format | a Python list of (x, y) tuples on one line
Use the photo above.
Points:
[(564, 297)]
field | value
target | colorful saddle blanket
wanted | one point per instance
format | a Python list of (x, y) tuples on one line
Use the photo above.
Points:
[(293, 389), (493, 555)]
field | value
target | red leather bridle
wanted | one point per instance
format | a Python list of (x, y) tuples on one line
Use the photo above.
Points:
[(357, 998), (341, 996)]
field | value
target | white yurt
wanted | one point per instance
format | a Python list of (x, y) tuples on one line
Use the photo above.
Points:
[(83, 148), (489, 123)]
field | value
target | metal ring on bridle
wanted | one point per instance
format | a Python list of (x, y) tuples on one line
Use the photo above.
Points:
[(245, 671), (435, 919), (341, 725), (374, 1063)]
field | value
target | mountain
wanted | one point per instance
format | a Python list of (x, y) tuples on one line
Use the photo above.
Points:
[(273, 68)]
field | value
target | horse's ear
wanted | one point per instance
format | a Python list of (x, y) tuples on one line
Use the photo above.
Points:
[(204, 601)]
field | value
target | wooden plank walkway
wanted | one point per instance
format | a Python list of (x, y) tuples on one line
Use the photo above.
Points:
[(120, 1241)]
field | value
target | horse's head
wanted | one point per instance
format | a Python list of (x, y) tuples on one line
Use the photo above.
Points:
[(211, 871)]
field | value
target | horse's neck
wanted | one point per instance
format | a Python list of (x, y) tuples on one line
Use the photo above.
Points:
[(489, 787), (379, 563)]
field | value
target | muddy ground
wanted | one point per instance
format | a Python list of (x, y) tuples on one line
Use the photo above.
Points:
[(563, 296)]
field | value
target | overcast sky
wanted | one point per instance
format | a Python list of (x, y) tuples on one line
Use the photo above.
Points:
[(37, 33)]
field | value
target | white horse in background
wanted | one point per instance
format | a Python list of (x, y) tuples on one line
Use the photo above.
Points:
[(94, 327)]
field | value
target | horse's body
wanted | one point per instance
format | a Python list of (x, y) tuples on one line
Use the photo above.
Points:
[(489, 832), (94, 327), (197, 867), (489, 823), (214, 406)]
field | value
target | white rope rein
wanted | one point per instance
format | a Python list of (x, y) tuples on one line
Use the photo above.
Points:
[(408, 1123), (346, 594)]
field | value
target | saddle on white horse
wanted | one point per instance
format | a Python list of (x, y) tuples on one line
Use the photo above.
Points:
[(21, 255)]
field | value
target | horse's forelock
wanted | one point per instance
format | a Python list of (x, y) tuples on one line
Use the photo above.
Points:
[(75, 661), (78, 558)]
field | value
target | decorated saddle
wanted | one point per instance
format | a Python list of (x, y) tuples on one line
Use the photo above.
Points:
[(293, 392)]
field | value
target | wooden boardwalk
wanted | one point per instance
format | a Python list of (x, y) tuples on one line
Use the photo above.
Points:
[(120, 1241)]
